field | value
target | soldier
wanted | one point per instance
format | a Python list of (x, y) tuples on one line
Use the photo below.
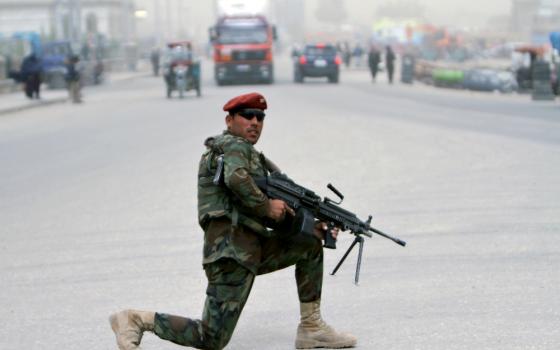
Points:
[(238, 246)]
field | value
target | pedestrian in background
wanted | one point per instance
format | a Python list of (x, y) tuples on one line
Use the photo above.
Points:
[(374, 57), (154, 59), (73, 79), (346, 54), (358, 53), (390, 62), (30, 75)]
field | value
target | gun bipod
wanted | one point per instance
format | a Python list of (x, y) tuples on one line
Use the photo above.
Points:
[(358, 240)]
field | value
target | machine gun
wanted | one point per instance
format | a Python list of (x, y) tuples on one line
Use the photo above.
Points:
[(309, 207)]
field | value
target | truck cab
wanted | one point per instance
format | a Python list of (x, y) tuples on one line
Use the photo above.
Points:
[(243, 48)]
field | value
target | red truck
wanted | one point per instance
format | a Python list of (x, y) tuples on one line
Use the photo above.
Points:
[(243, 49)]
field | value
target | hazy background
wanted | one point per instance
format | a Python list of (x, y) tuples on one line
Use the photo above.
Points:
[(442, 12), (194, 17)]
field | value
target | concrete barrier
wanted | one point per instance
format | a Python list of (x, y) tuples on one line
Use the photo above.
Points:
[(8, 85), (542, 88)]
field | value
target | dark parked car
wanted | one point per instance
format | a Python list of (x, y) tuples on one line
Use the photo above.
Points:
[(318, 60), (489, 80)]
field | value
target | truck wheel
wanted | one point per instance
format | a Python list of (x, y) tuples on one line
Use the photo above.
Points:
[(298, 78), (333, 79)]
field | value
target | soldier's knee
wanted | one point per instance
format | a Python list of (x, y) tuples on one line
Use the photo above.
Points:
[(216, 341)]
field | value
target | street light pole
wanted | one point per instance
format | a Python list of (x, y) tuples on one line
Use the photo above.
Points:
[(78, 21), (73, 11), (125, 20), (157, 23), (58, 28), (168, 18)]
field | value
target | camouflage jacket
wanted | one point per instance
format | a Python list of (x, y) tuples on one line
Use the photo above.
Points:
[(236, 199)]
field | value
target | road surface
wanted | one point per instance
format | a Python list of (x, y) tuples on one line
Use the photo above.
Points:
[(98, 213)]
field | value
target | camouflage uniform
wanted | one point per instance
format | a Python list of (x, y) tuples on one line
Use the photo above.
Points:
[(237, 246)]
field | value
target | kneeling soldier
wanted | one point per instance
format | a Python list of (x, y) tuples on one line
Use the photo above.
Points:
[(237, 246)]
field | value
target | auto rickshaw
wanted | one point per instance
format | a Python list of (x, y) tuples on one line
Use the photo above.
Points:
[(181, 70)]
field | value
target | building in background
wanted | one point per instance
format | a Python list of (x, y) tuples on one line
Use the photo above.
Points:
[(69, 20), (166, 20), (290, 20), (171, 20), (533, 20)]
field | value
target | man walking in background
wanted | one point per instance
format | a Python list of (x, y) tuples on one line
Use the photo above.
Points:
[(374, 57), (30, 75), (390, 63), (73, 79)]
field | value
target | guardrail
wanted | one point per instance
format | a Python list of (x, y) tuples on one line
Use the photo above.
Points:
[(109, 65), (8, 85)]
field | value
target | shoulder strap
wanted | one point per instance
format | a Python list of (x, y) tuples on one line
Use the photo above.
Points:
[(269, 165)]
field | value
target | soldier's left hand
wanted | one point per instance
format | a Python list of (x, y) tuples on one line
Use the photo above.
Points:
[(321, 229)]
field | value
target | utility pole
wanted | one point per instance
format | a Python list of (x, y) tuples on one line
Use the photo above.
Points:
[(57, 27), (157, 23), (169, 27), (75, 19), (125, 20), (67, 17)]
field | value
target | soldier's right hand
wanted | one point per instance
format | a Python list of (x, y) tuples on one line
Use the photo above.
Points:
[(277, 209)]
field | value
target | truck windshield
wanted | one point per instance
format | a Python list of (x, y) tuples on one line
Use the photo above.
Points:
[(242, 35)]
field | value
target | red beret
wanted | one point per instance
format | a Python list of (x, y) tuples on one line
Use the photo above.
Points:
[(252, 100)]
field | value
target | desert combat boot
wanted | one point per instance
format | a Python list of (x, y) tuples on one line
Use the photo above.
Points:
[(313, 332), (129, 325)]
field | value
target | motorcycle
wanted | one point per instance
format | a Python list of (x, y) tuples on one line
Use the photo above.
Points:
[(183, 78), (182, 72)]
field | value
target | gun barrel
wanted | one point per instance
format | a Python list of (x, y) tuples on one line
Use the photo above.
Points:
[(394, 239)]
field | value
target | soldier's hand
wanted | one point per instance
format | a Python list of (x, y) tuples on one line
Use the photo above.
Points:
[(277, 209), (321, 229)]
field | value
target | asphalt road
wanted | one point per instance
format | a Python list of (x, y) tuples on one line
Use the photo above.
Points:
[(98, 213)]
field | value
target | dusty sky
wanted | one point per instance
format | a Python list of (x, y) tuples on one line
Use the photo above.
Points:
[(491, 6), (463, 9), (459, 13), (442, 11)]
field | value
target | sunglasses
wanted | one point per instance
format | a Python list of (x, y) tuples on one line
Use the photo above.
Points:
[(251, 113)]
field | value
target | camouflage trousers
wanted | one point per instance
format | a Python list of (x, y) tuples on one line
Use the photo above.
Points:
[(229, 286)]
